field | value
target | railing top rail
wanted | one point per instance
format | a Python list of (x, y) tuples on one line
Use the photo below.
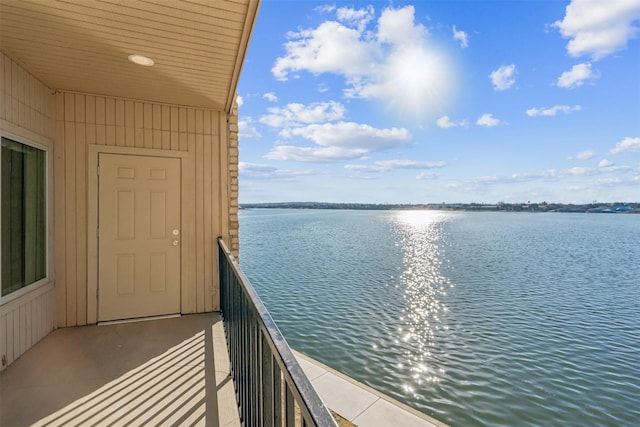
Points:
[(307, 393)]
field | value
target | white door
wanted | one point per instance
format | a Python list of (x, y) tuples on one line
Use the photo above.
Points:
[(139, 236)]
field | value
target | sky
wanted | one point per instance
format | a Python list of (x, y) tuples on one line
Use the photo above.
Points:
[(442, 101)]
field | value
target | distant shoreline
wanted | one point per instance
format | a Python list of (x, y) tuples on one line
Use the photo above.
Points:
[(617, 208)]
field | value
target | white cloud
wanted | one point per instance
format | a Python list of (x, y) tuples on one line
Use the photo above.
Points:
[(247, 131), (461, 36), (445, 122), (261, 172), (338, 141), (388, 165), (239, 100), (583, 155), (427, 176), (391, 62), (355, 17), (270, 96), (351, 135), (627, 144), (503, 78), (314, 154), (299, 114), (604, 163), (488, 120), (576, 76), (599, 27), (566, 109)]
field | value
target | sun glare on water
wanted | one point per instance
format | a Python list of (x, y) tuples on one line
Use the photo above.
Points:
[(425, 289)]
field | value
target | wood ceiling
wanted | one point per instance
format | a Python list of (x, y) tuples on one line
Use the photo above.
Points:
[(82, 45)]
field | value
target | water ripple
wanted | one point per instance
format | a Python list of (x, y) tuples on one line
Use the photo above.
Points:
[(475, 319)]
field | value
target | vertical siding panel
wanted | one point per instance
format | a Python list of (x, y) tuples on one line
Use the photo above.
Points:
[(207, 235), (81, 223), (39, 318), (22, 328), (148, 125), (3, 328), (47, 313), (174, 128), (200, 122), (182, 123), (69, 107), (16, 333), (9, 337), (200, 232), (129, 121), (216, 213), (166, 117), (90, 134), (166, 127), (110, 120), (29, 339), (138, 117), (191, 120), (21, 98), (190, 224), (101, 130), (79, 108), (32, 102), (120, 141), (110, 135), (157, 126), (90, 108), (166, 140), (35, 307), (70, 214), (207, 122), (59, 181), (8, 89)]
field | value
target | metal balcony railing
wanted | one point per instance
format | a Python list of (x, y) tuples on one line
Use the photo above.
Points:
[(271, 388)]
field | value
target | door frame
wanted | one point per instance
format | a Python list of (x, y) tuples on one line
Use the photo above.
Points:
[(93, 153)]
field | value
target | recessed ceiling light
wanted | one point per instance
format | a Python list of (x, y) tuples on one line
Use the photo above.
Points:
[(141, 60)]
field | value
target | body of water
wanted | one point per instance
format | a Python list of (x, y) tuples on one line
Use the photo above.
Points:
[(492, 319)]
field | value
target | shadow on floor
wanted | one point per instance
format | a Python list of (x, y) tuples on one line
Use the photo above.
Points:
[(158, 372)]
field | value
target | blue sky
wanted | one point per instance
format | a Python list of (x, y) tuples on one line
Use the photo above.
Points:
[(442, 101)]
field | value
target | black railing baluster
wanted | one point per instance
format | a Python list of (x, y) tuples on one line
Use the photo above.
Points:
[(270, 385)]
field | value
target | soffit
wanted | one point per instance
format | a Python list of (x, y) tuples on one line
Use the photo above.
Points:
[(82, 45)]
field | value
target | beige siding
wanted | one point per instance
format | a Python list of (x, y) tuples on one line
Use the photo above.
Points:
[(26, 112), (198, 136)]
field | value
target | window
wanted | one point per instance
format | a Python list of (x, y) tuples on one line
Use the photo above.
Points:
[(24, 216)]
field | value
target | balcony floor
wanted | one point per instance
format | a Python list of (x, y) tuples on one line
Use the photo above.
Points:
[(158, 372)]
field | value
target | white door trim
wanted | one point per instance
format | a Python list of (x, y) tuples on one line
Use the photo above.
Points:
[(93, 152)]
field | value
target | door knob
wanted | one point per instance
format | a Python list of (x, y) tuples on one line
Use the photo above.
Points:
[(175, 242)]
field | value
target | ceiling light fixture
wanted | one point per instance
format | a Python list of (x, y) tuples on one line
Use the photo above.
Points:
[(141, 60)]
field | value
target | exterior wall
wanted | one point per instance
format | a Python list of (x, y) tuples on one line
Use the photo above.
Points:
[(26, 112), (234, 227), (86, 124)]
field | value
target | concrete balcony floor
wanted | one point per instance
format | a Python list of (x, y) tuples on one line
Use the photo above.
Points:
[(162, 372)]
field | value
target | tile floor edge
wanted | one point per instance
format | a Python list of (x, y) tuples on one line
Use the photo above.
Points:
[(372, 390)]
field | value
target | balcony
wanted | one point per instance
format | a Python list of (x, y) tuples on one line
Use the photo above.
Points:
[(172, 371)]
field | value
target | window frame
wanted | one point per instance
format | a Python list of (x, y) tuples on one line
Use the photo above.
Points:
[(4, 299)]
